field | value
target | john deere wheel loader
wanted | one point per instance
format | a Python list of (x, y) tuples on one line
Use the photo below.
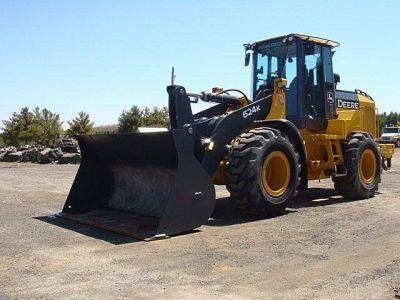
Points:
[(297, 127)]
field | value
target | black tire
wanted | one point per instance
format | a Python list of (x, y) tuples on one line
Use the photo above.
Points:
[(363, 163), (252, 187)]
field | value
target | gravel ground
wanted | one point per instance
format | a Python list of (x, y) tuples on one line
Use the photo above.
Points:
[(324, 247)]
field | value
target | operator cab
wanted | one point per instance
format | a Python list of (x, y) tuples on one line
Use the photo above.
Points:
[(306, 63)]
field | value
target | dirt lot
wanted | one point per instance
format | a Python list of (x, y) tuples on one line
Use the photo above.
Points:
[(325, 247)]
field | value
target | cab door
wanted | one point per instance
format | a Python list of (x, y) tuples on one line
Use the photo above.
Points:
[(319, 87)]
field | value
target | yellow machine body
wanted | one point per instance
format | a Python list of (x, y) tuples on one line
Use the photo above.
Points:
[(311, 130), (323, 149)]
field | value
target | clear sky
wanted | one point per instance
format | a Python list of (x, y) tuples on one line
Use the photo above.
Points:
[(105, 56)]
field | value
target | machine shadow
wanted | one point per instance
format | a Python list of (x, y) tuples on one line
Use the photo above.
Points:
[(97, 233), (226, 214), (319, 197)]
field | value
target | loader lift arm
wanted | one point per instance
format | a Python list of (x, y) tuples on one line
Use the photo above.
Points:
[(215, 132)]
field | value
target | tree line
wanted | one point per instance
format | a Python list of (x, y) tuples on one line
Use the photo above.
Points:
[(391, 119), (130, 120), (43, 127), (26, 126)]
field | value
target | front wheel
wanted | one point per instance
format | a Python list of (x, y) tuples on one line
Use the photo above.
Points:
[(263, 172), (362, 160)]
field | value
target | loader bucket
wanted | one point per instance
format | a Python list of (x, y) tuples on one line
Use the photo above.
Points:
[(144, 185)]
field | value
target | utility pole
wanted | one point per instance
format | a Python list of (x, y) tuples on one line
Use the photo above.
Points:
[(173, 76)]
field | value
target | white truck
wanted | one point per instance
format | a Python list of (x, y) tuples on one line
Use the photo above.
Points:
[(390, 135)]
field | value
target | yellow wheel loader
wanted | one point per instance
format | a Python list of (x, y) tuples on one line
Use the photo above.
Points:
[(296, 126)]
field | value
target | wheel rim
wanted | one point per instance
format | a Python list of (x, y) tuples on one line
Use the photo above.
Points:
[(275, 173), (367, 166)]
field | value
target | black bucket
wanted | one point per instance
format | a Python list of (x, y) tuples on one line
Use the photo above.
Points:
[(144, 185)]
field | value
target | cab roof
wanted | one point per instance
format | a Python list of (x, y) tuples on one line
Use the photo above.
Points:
[(318, 40)]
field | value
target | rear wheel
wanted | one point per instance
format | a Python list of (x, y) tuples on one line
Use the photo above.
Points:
[(362, 161), (263, 172)]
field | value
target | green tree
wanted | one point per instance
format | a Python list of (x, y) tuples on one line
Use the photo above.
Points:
[(81, 124), (11, 130), (130, 120), (392, 119), (17, 130), (158, 116), (46, 126), (31, 127), (25, 122), (382, 119)]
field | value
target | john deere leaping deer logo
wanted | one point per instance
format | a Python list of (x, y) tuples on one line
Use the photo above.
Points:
[(329, 97)]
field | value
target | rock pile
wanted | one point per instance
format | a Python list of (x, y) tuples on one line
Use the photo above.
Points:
[(39, 155), (68, 145), (70, 158)]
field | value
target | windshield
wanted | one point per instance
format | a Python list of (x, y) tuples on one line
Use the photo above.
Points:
[(274, 59), (390, 130)]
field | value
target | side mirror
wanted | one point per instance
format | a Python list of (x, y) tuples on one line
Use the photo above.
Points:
[(247, 59), (336, 78)]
